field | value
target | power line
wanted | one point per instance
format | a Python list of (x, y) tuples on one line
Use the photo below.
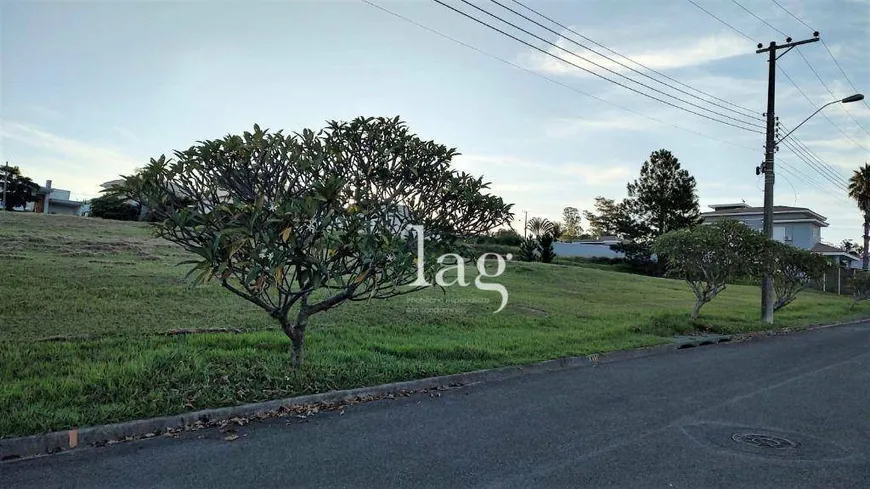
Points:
[(551, 80), (788, 168), (795, 17), (469, 16), (815, 166), (751, 113), (833, 170), (834, 193), (735, 2), (822, 171), (801, 176), (813, 104), (841, 71), (792, 187), (782, 70), (829, 90), (827, 192), (726, 24)]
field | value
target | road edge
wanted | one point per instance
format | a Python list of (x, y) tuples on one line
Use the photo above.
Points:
[(57, 441), (99, 435)]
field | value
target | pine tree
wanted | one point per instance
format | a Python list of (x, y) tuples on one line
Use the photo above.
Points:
[(662, 199)]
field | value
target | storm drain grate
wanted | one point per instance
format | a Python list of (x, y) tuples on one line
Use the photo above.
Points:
[(764, 441)]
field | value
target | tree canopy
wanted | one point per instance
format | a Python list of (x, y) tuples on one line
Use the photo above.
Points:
[(571, 223), (792, 270), (662, 199), (859, 191), (539, 226), (112, 207), (19, 189), (708, 256), (300, 223)]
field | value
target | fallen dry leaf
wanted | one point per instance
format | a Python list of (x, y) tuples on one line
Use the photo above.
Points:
[(231, 437)]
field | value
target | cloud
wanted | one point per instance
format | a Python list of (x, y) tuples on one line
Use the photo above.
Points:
[(572, 127), (522, 174), (519, 187), (596, 175), (840, 144), (126, 134), (677, 54), (82, 151), (82, 164), (45, 112)]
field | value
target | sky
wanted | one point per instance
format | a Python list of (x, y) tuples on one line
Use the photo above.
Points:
[(92, 90)]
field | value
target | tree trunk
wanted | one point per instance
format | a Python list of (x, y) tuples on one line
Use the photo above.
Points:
[(296, 333), (298, 341), (697, 310), (866, 257)]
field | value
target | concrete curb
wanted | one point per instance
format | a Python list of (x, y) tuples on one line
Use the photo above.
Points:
[(53, 442)]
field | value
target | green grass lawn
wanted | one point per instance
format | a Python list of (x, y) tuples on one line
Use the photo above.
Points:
[(112, 289)]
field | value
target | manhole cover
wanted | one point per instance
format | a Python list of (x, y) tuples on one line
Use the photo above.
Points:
[(764, 441)]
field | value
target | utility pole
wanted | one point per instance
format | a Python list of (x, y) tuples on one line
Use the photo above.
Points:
[(5, 183), (769, 149), (525, 223)]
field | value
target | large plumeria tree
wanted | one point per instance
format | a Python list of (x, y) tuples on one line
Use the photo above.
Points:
[(300, 223)]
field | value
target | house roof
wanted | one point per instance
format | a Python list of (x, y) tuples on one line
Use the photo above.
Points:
[(112, 183), (608, 240), (64, 203), (777, 209), (741, 205), (759, 210), (826, 249)]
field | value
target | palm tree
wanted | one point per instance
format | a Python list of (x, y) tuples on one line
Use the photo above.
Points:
[(859, 189), (557, 231), (539, 226)]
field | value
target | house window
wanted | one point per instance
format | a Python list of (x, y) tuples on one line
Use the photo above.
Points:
[(783, 234), (779, 233)]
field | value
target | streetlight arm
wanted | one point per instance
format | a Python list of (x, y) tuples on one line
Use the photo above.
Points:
[(851, 98), (802, 123)]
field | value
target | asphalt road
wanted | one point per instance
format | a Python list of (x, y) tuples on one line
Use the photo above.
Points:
[(784, 411)]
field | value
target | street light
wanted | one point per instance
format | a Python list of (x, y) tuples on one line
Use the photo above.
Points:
[(851, 98), (770, 146)]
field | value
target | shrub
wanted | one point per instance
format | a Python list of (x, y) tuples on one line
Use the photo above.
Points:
[(506, 237), (545, 248), (503, 250), (529, 249), (860, 286), (792, 269), (112, 207), (707, 257)]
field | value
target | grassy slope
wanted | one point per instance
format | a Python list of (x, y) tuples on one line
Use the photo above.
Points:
[(111, 282)]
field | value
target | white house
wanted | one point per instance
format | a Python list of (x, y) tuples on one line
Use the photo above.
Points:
[(797, 226), (54, 201)]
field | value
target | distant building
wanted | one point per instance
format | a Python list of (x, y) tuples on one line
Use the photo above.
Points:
[(796, 226), (54, 201), (589, 248)]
